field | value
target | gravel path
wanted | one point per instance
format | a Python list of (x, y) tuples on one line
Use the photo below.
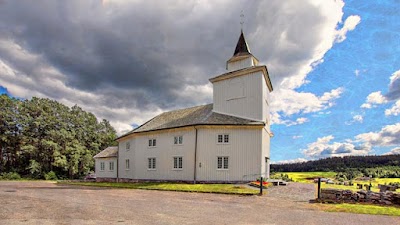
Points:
[(47, 203)]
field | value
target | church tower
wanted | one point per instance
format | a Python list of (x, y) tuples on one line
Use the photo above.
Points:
[(244, 90)]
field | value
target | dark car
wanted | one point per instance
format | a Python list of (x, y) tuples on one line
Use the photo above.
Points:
[(90, 177)]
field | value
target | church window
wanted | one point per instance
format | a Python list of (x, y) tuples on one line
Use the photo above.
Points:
[(178, 162), (111, 166), (152, 142), (151, 163), (127, 164), (178, 140), (223, 138), (223, 162)]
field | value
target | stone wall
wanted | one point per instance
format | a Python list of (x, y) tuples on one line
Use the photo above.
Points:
[(105, 179), (382, 198)]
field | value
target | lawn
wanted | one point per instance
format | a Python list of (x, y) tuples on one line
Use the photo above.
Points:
[(361, 209), (203, 188), (308, 177)]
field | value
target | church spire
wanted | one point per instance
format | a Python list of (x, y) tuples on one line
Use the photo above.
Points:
[(241, 47), (242, 58)]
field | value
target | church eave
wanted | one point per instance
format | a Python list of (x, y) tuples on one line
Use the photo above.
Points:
[(244, 72)]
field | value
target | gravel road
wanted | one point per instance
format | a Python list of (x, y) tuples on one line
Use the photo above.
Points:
[(48, 203)]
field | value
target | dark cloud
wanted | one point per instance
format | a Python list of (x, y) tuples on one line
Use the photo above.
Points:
[(147, 55)]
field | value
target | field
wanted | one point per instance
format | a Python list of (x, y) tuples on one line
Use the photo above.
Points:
[(308, 177), (201, 188)]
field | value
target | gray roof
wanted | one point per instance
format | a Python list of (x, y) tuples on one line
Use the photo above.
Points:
[(111, 151), (198, 115)]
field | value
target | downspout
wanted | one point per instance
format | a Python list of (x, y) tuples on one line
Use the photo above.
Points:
[(195, 158)]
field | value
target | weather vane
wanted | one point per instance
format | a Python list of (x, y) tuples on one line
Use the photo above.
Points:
[(241, 20)]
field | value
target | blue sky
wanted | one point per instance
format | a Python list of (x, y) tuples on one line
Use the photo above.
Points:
[(334, 65), (361, 64)]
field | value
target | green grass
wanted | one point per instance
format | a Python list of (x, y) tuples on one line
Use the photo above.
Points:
[(203, 188), (361, 209), (308, 177)]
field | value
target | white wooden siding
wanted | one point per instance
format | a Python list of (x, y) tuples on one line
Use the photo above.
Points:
[(240, 64), (250, 106), (266, 139), (164, 152), (106, 173), (265, 102), (243, 150), (124, 154)]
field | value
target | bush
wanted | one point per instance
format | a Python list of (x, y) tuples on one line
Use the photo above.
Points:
[(282, 176), (50, 176), (10, 176)]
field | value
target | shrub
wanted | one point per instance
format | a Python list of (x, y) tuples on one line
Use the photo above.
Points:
[(50, 176), (10, 176)]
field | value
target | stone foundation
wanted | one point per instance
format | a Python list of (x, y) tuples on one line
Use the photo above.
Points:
[(105, 179), (340, 196)]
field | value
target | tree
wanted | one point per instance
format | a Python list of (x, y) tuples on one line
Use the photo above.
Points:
[(42, 135)]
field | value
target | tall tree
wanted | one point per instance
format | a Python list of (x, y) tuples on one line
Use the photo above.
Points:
[(42, 135)]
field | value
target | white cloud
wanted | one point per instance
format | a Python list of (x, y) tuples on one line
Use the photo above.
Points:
[(350, 24), (374, 99), (394, 151), (298, 160), (394, 111), (297, 136), (356, 119), (387, 136), (394, 77), (362, 144), (289, 102), (358, 72), (324, 147), (377, 98)]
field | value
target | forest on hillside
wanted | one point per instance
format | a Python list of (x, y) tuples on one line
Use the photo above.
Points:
[(385, 166), (42, 137)]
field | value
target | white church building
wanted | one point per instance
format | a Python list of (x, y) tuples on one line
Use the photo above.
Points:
[(224, 142)]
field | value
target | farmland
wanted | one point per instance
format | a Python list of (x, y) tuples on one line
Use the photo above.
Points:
[(308, 177)]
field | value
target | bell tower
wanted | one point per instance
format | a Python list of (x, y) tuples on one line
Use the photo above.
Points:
[(243, 91)]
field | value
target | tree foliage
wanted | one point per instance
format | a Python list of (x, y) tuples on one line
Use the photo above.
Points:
[(40, 135)]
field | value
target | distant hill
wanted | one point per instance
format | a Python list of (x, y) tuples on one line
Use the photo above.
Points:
[(339, 164)]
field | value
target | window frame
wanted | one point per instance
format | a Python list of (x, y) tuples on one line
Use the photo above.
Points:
[(128, 146), (102, 166), (224, 162), (127, 164), (178, 140), (111, 166), (152, 142), (177, 163), (224, 137), (151, 163)]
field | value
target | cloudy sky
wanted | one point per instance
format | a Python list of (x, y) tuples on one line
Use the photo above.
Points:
[(334, 65)]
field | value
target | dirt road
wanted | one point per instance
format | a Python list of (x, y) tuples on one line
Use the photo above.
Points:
[(49, 203)]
